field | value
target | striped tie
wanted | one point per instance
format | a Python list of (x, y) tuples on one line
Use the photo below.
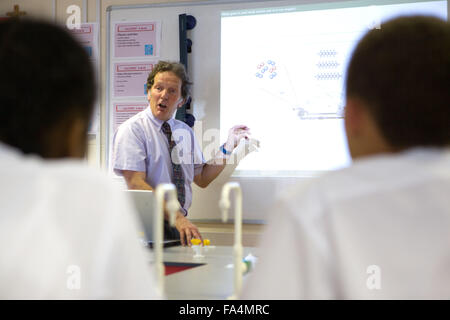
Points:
[(178, 177)]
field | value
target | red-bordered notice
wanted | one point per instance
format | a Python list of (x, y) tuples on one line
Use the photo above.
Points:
[(122, 111), (130, 78), (137, 39)]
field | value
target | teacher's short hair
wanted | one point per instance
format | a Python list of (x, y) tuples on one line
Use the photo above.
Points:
[(175, 67)]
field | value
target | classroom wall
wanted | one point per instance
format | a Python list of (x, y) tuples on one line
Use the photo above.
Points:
[(36, 8)]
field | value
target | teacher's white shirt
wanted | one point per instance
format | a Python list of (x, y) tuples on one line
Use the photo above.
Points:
[(140, 145)]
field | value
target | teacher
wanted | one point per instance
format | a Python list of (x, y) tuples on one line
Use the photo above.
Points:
[(152, 147)]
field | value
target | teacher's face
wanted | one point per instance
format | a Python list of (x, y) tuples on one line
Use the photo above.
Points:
[(165, 95)]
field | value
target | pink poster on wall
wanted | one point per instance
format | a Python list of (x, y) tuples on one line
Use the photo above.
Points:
[(122, 111), (87, 35), (130, 78), (137, 39)]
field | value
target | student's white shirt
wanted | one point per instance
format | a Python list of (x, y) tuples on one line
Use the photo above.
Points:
[(379, 229), (67, 232)]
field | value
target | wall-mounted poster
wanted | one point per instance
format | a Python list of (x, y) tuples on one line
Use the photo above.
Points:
[(87, 35), (137, 39), (130, 78), (122, 111)]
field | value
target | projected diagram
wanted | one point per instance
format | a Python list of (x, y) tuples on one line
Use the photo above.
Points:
[(313, 92), (283, 73)]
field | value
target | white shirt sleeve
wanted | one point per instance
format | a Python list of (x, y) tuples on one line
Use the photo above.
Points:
[(129, 149)]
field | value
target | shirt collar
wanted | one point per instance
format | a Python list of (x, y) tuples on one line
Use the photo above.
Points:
[(8, 151), (157, 122)]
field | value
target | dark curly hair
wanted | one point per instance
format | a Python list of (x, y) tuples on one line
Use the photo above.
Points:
[(47, 80), (402, 73), (175, 67)]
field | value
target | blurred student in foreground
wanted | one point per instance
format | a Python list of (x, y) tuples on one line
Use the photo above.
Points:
[(66, 232), (380, 228)]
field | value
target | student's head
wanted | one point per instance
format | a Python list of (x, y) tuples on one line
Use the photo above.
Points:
[(398, 87), (47, 89), (168, 89)]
